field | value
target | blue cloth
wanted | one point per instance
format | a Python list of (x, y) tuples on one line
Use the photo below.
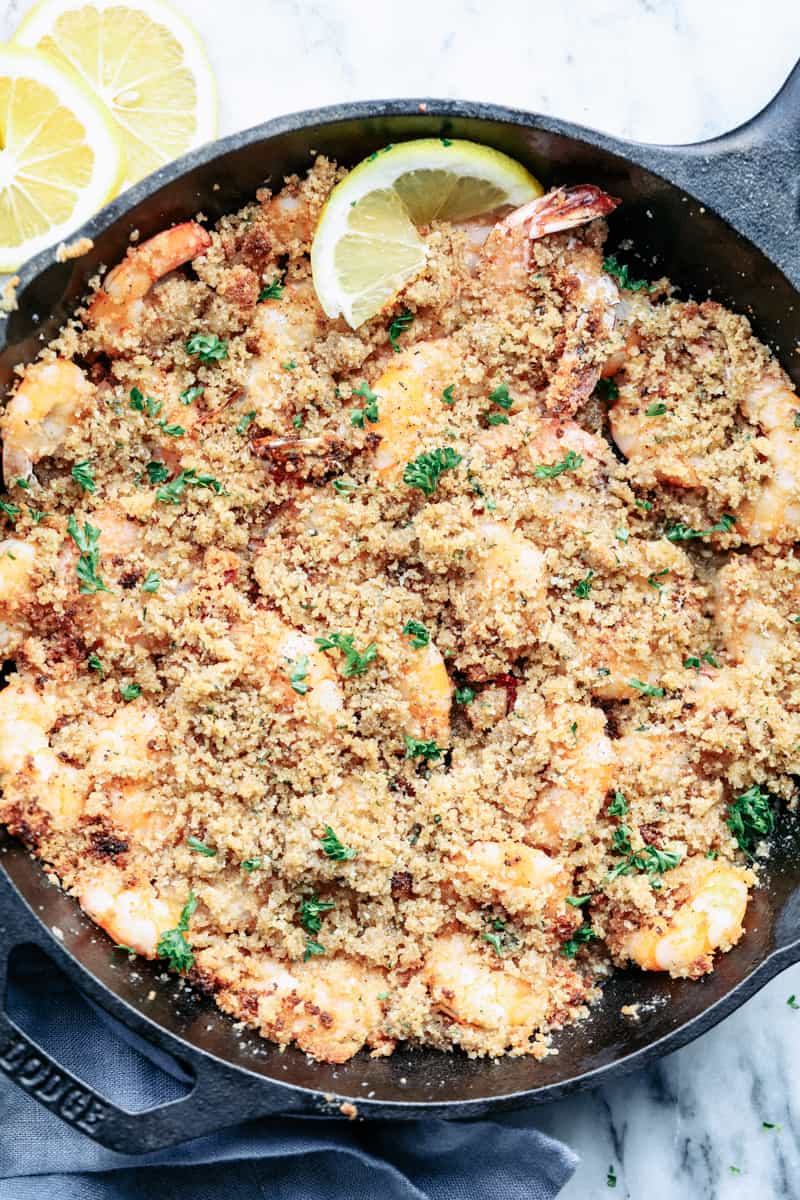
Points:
[(41, 1158)]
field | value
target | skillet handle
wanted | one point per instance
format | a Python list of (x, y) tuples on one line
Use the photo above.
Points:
[(219, 1096), (750, 176)]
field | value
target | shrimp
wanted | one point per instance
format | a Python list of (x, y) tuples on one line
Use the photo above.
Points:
[(470, 991), (592, 295), (17, 569), (50, 399), (757, 607), (304, 676), (127, 907), (427, 689), (524, 879), (33, 777), (329, 1007), (773, 516), (409, 391), (508, 589), (118, 305), (579, 775), (710, 919), (282, 331)]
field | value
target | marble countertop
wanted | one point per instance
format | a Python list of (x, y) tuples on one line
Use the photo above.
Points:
[(654, 70)]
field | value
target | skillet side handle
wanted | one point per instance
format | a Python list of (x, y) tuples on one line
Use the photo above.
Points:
[(750, 176), (219, 1097)]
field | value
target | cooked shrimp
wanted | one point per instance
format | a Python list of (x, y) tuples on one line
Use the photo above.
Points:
[(329, 1007), (710, 919), (304, 675), (32, 774), (17, 567), (282, 331), (579, 776), (772, 404), (757, 607), (128, 908), (409, 391), (506, 264), (524, 879), (118, 304), (50, 399), (427, 689), (508, 589), (472, 991)]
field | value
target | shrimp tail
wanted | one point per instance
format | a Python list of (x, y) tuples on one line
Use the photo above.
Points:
[(563, 208)]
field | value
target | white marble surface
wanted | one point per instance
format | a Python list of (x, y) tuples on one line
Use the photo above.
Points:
[(656, 70)]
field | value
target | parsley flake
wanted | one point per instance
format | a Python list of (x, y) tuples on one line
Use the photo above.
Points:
[(418, 633), (750, 818), (500, 397), (611, 1178), (36, 514), (298, 671), (618, 806), (355, 663), (152, 582), (570, 462), (246, 422), (370, 410), (141, 403), (207, 347), (82, 474), (578, 901), (201, 848), (130, 691), (173, 945), (191, 393), (464, 695), (89, 561), (398, 325), (312, 948), (584, 586), (271, 291), (332, 848), (447, 394), (171, 430), (417, 748), (156, 472), (94, 664), (792, 1002), (251, 864), (583, 934), (424, 471), (311, 910), (171, 492), (12, 511), (646, 689), (606, 389), (621, 273), (655, 410), (684, 533), (655, 576)]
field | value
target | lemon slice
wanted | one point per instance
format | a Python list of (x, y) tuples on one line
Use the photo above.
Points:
[(144, 61), (366, 246), (60, 157)]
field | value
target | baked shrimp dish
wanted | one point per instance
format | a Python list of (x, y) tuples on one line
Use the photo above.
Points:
[(397, 677)]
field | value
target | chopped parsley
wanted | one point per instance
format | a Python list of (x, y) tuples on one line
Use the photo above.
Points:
[(655, 410), (418, 748), (311, 910), (343, 486), (289, 365), (655, 576), (618, 806), (621, 840), (464, 695), (570, 462), (750, 818), (709, 658), (355, 663), (251, 864), (500, 397), (611, 1177), (152, 582), (684, 533), (370, 410), (36, 514), (201, 848), (173, 945), (156, 472), (171, 430), (649, 860), (271, 291), (246, 422), (418, 633), (606, 389), (82, 474), (792, 1002), (447, 394), (583, 934), (130, 691), (622, 535), (191, 393), (398, 325), (495, 418), (297, 420), (584, 586), (298, 671), (141, 403), (207, 347), (332, 848), (12, 511), (646, 689), (578, 901), (770, 1125), (312, 948), (89, 561), (621, 272), (692, 661), (94, 664), (424, 471), (171, 492)]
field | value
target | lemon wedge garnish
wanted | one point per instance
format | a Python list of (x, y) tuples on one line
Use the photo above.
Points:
[(367, 245), (60, 157), (144, 61)]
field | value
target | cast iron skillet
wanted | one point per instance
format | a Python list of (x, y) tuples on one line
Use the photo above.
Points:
[(721, 218)]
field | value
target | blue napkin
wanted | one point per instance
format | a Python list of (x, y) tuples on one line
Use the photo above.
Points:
[(301, 1158)]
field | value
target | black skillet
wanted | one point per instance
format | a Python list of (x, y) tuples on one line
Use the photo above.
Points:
[(721, 218)]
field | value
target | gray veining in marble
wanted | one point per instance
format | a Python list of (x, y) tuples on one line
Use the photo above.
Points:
[(655, 70)]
